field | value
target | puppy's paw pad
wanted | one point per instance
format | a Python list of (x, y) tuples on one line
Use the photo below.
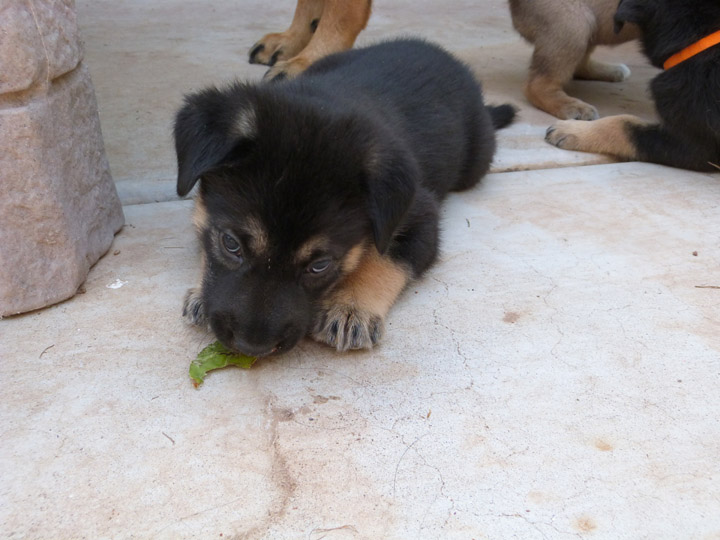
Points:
[(347, 327), (194, 308), (562, 135)]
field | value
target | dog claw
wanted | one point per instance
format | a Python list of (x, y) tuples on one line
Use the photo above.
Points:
[(274, 57), (348, 328), (557, 137), (257, 49)]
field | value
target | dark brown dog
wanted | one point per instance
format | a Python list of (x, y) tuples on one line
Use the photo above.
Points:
[(319, 28), (319, 195), (565, 34), (686, 94)]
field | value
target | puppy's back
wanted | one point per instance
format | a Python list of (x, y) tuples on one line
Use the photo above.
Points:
[(425, 96)]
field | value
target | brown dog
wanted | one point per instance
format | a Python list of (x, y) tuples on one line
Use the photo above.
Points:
[(319, 28), (565, 34)]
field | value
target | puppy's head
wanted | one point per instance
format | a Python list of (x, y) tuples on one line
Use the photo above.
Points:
[(668, 26), (292, 191)]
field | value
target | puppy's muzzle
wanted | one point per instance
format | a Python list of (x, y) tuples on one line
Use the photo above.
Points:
[(261, 324), (256, 337)]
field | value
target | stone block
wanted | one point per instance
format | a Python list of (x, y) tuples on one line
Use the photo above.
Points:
[(59, 209), (39, 42)]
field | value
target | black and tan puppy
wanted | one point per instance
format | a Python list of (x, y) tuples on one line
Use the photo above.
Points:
[(564, 35), (683, 38), (319, 195)]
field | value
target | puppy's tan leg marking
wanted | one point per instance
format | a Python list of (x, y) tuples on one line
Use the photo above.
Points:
[(339, 26), (254, 228), (352, 317), (314, 244), (352, 260), (610, 135), (595, 70), (284, 45)]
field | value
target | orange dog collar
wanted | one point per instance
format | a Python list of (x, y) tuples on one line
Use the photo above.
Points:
[(692, 50)]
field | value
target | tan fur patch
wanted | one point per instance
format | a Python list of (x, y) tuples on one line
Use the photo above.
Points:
[(254, 228), (373, 286), (352, 259), (314, 244), (610, 135), (200, 215)]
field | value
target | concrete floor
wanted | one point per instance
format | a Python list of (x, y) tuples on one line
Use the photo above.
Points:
[(555, 375)]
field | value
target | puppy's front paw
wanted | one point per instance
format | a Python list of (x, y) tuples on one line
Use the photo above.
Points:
[(348, 327), (194, 308), (565, 134)]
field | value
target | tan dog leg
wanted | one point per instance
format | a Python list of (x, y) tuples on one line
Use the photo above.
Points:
[(556, 56), (340, 23), (353, 315), (282, 46), (610, 135)]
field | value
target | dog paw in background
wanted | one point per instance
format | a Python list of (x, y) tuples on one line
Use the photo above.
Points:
[(318, 28), (282, 46)]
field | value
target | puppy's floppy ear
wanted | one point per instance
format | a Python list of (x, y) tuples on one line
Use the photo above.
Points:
[(207, 129), (632, 11), (392, 178)]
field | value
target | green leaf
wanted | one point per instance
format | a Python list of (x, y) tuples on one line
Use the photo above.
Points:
[(216, 356)]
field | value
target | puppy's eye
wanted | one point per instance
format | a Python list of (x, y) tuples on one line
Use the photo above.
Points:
[(319, 266), (230, 243)]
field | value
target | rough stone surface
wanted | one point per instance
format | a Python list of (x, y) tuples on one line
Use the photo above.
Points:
[(38, 42), (58, 206)]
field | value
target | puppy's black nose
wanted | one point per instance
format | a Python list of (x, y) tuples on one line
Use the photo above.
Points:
[(241, 340), (252, 349)]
